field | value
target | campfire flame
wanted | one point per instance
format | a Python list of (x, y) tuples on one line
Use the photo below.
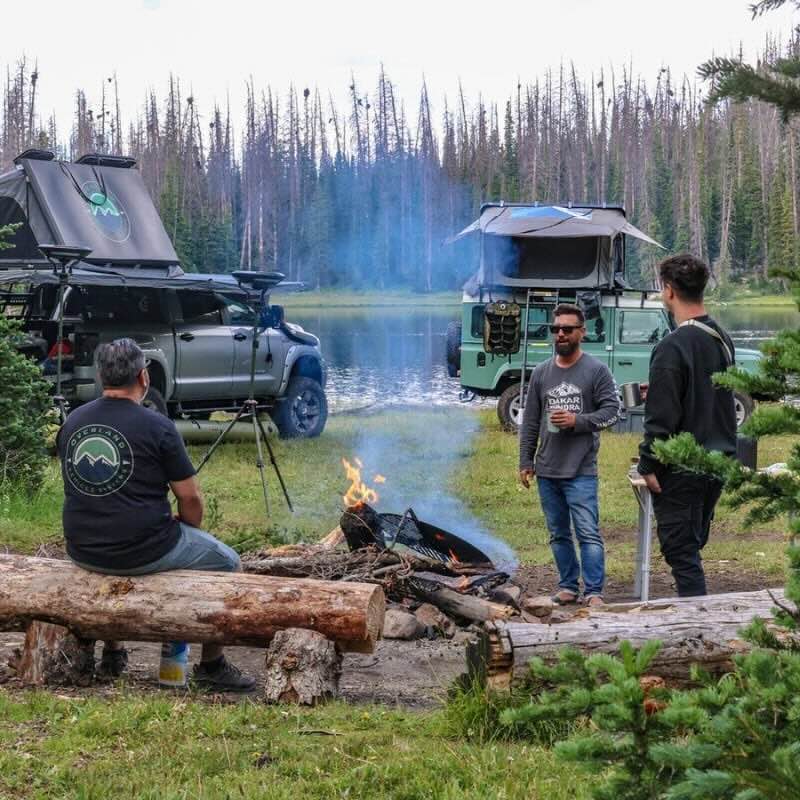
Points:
[(359, 492)]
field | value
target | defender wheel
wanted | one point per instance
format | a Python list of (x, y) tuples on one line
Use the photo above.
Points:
[(509, 411), (453, 339), (155, 401), (744, 406), (302, 413)]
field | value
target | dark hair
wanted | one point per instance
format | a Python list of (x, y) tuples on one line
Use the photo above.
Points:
[(119, 363), (686, 274), (569, 308)]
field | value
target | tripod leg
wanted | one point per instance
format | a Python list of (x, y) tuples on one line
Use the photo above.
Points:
[(275, 466), (260, 458), (219, 438)]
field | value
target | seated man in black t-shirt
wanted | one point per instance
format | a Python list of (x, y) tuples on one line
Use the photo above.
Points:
[(118, 461)]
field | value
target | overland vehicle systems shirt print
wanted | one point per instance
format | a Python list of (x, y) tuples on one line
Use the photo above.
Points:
[(117, 460), (587, 388)]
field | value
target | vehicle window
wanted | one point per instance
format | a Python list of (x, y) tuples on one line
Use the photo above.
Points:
[(200, 308), (110, 304), (642, 327), (237, 312), (538, 322), (595, 331), (476, 329)]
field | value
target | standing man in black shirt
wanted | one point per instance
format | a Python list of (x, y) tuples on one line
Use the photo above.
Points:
[(682, 397), (118, 461)]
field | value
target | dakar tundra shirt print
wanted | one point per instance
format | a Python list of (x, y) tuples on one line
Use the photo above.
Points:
[(588, 390)]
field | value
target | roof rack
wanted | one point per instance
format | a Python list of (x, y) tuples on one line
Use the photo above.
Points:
[(106, 160), (35, 154)]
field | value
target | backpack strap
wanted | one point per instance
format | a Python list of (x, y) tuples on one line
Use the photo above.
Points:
[(711, 332)]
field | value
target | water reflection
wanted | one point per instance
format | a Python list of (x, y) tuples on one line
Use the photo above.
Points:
[(382, 357)]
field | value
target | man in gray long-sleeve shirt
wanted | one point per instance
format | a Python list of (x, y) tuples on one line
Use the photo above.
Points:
[(570, 398)]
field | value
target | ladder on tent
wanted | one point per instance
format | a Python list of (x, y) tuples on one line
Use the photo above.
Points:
[(532, 296)]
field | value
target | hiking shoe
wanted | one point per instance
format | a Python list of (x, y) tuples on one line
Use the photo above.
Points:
[(594, 601), (222, 676), (112, 663), (564, 597)]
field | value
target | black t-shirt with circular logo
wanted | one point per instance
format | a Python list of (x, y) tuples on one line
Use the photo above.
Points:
[(117, 460)]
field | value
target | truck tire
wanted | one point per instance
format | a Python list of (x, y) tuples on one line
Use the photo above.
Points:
[(454, 349), (508, 409), (155, 401), (744, 406), (303, 412)]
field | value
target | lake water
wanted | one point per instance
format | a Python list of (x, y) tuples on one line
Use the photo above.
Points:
[(383, 357)]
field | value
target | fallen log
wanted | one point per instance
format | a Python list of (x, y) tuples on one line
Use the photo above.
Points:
[(697, 630), (226, 608), (465, 606)]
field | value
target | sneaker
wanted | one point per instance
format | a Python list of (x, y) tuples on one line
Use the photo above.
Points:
[(112, 663), (594, 601), (222, 676), (564, 597)]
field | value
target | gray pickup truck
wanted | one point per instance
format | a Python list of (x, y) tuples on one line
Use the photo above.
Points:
[(197, 334), (125, 280)]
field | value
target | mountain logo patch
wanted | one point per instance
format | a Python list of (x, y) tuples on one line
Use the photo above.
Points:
[(98, 460), (107, 212)]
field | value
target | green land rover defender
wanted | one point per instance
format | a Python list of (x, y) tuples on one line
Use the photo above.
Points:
[(531, 259)]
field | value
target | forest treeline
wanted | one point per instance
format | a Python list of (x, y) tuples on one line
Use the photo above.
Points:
[(364, 196)]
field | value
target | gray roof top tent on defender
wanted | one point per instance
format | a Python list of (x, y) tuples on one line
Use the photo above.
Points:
[(126, 280)]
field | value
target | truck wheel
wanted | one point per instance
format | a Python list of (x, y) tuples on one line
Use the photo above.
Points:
[(302, 413), (509, 411), (744, 406), (454, 349), (155, 401)]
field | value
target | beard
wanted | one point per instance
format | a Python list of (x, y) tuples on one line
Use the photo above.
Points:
[(566, 348)]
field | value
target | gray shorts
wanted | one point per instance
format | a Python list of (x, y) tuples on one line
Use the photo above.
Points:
[(195, 549)]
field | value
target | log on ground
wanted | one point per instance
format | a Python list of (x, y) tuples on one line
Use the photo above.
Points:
[(226, 608), (698, 630)]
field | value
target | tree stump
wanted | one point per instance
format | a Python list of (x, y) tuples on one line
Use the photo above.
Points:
[(302, 667), (53, 656)]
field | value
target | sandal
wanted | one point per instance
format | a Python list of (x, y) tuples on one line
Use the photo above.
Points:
[(564, 598), (594, 601)]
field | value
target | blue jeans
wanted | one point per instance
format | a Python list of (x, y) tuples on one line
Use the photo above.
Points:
[(575, 499)]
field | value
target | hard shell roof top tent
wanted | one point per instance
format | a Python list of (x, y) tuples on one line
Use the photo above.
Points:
[(551, 247), (98, 201)]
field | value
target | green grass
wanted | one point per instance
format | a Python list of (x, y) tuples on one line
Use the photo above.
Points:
[(746, 297), (125, 744), (486, 479), (348, 298), (162, 748)]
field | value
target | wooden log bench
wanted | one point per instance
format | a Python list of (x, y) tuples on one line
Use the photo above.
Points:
[(696, 630), (64, 609)]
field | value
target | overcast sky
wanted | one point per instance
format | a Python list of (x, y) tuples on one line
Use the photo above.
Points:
[(214, 47)]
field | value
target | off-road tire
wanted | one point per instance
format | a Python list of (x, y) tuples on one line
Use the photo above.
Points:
[(453, 349), (508, 410), (744, 406), (303, 411), (155, 401)]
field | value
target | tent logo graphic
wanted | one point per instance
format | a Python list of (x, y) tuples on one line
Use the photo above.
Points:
[(98, 460), (107, 212)]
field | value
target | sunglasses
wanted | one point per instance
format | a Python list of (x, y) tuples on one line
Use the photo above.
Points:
[(567, 329)]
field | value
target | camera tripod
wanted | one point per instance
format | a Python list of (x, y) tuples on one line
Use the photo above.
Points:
[(250, 406), (63, 259)]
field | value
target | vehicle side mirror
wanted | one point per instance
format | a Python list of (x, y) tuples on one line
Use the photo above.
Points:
[(272, 317)]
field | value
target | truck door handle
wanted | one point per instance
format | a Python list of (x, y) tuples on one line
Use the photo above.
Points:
[(187, 337), (240, 337), (625, 363)]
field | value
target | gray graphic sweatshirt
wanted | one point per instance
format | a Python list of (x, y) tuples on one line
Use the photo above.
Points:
[(588, 389)]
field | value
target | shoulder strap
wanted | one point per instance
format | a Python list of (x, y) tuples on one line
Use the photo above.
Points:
[(711, 332)]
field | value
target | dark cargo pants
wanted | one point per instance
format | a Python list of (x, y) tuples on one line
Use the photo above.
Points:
[(684, 511)]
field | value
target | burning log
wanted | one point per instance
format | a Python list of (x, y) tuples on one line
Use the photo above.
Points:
[(228, 608), (697, 630)]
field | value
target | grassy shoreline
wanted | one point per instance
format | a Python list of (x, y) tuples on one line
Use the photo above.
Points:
[(404, 298)]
